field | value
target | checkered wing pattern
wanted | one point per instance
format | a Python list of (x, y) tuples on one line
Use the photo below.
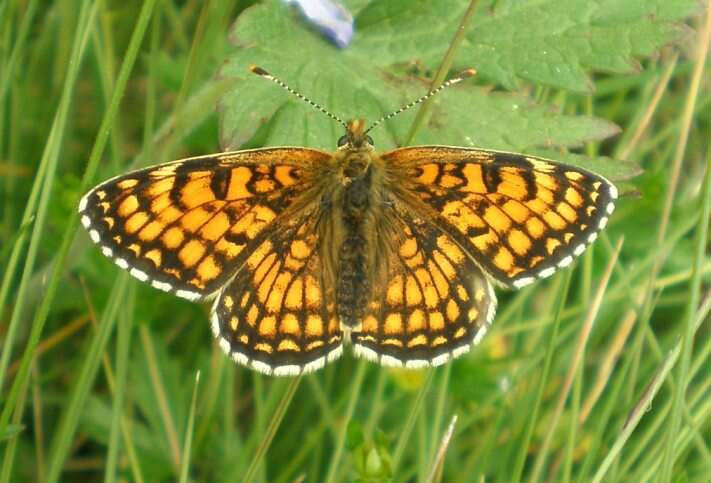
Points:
[(520, 217), (432, 305), (187, 226), (277, 315)]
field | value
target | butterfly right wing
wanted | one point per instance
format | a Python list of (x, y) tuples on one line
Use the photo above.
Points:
[(520, 217), (432, 302)]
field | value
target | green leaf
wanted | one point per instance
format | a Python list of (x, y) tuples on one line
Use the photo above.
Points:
[(355, 83), (551, 42), (471, 116)]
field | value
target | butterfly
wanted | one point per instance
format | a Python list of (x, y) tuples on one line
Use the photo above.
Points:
[(304, 250)]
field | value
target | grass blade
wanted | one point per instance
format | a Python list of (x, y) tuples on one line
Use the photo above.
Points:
[(123, 344), (37, 205), (341, 442), (272, 428), (67, 426), (545, 373), (444, 444), (189, 433), (577, 360), (73, 222)]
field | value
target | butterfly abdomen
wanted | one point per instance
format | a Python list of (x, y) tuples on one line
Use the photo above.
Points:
[(352, 291), (353, 288)]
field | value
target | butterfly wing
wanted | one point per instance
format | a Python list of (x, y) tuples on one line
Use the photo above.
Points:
[(433, 302), (187, 226), (520, 217), (277, 315)]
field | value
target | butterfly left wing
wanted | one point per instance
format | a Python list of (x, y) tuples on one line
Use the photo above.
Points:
[(278, 314), (520, 217), (431, 303), (188, 225)]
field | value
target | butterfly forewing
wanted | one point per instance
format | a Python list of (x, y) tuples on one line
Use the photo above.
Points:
[(518, 216), (187, 226)]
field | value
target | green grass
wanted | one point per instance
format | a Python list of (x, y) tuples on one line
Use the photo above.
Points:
[(599, 374)]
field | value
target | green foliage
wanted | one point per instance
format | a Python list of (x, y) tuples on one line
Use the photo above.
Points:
[(549, 42), (571, 80)]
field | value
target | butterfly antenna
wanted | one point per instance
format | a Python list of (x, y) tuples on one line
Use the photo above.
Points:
[(261, 72), (454, 80)]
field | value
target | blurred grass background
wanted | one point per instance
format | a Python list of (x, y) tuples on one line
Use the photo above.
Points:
[(600, 373)]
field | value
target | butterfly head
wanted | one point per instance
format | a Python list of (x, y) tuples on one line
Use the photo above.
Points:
[(355, 138), (355, 152)]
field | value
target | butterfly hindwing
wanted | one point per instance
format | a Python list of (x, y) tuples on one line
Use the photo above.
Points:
[(277, 315), (519, 216), (433, 303), (187, 226)]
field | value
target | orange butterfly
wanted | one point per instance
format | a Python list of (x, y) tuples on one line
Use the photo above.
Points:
[(302, 249)]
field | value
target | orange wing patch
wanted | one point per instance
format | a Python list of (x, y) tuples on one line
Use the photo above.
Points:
[(520, 217), (187, 226), (277, 315), (433, 304)]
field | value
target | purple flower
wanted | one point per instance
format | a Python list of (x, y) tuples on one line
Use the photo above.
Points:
[(329, 16)]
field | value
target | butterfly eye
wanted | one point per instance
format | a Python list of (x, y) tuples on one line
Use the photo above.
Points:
[(370, 140), (342, 141)]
